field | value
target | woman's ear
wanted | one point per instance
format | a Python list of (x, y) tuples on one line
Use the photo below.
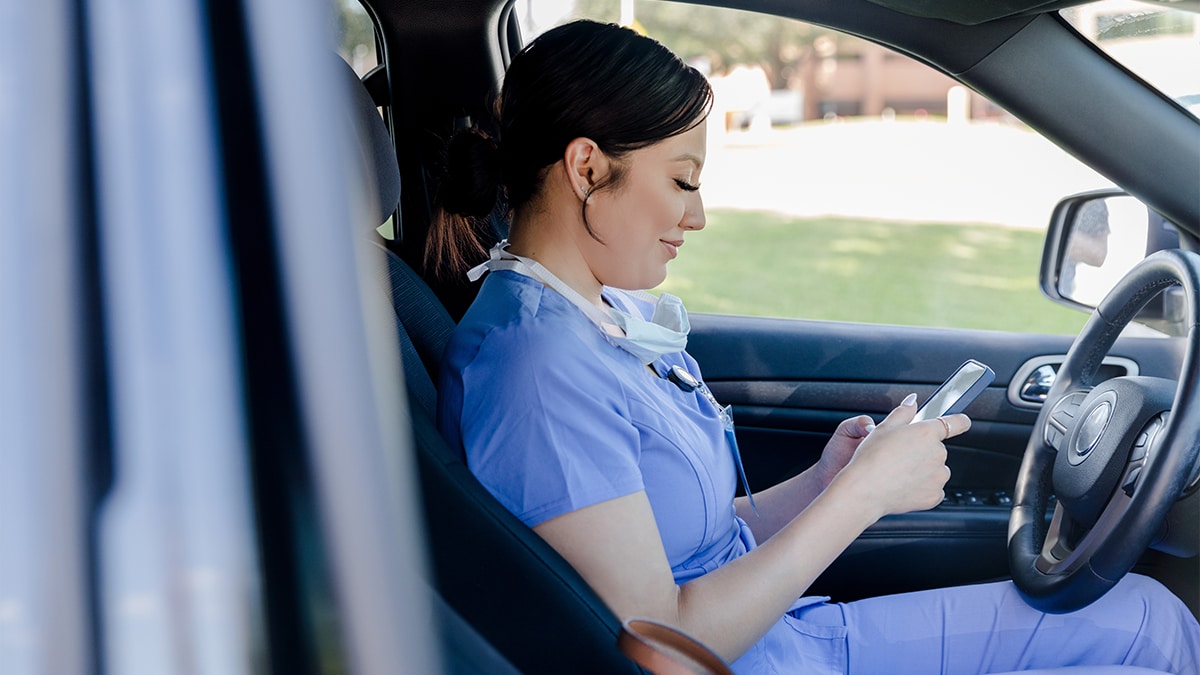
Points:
[(586, 166)]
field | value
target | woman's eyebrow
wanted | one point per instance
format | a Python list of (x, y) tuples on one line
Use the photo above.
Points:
[(688, 157)]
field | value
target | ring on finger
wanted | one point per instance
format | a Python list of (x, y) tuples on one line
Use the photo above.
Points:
[(945, 425)]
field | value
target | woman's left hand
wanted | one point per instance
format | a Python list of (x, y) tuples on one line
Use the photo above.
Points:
[(841, 446)]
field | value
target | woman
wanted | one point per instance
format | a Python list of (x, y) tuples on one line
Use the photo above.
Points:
[(579, 410)]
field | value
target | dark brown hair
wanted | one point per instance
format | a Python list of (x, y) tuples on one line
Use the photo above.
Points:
[(622, 90)]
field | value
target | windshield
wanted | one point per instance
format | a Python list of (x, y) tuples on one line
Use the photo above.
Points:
[(1160, 45)]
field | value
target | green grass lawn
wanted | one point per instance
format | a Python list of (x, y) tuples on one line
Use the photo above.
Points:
[(845, 269)]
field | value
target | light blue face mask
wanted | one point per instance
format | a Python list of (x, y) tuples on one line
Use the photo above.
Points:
[(665, 333)]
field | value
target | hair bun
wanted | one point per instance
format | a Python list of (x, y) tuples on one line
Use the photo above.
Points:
[(472, 175)]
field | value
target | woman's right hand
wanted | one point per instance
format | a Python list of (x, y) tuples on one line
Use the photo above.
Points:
[(901, 466)]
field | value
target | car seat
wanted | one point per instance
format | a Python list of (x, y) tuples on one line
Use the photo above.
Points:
[(493, 571)]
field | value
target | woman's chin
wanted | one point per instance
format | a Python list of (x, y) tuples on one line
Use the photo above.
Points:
[(643, 281)]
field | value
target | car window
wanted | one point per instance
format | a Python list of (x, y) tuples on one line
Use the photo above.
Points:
[(1158, 43), (356, 33), (847, 182)]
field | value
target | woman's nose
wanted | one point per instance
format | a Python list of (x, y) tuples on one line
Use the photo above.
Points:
[(693, 217)]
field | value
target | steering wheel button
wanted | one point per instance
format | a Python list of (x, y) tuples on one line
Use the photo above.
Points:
[(1155, 427), (1053, 437), (1131, 480)]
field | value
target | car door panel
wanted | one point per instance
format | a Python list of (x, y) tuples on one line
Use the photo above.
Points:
[(792, 381)]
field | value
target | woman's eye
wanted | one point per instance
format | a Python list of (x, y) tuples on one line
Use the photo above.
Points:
[(686, 186)]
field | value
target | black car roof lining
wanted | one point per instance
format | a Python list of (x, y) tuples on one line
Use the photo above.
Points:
[(959, 47)]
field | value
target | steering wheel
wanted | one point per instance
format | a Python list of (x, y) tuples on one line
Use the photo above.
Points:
[(1115, 454)]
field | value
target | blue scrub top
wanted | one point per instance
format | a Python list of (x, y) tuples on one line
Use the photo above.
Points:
[(553, 417)]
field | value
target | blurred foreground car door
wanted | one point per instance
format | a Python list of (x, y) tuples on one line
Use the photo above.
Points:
[(201, 469)]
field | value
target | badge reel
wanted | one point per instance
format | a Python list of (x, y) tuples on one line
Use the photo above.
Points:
[(688, 383)]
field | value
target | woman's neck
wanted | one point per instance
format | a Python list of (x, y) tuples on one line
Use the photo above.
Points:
[(542, 237)]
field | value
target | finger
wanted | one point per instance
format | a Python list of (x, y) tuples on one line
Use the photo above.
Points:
[(947, 432), (904, 412), (956, 425), (857, 427)]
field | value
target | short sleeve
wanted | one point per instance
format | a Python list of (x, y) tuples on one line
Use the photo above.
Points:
[(545, 425)]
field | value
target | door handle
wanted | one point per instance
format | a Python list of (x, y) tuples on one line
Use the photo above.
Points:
[(1033, 380), (1035, 387)]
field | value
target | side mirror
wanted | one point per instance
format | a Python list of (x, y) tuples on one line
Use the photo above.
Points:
[(1093, 240)]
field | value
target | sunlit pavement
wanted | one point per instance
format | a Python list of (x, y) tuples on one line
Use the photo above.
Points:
[(913, 170)]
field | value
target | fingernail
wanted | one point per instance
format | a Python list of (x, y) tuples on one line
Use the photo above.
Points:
[(869, 428), (911, 399)]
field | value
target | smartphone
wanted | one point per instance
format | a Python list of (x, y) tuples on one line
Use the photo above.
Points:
[(957, 392)]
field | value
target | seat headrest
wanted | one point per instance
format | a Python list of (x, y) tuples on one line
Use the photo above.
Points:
[(378, 151)]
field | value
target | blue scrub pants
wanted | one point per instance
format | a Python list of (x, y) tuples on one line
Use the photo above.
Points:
[(988, 628)]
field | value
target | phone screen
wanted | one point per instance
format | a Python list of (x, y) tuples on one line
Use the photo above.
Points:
[(958, 391)]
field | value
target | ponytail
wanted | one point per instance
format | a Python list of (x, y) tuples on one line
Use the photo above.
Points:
[(466, 196)]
